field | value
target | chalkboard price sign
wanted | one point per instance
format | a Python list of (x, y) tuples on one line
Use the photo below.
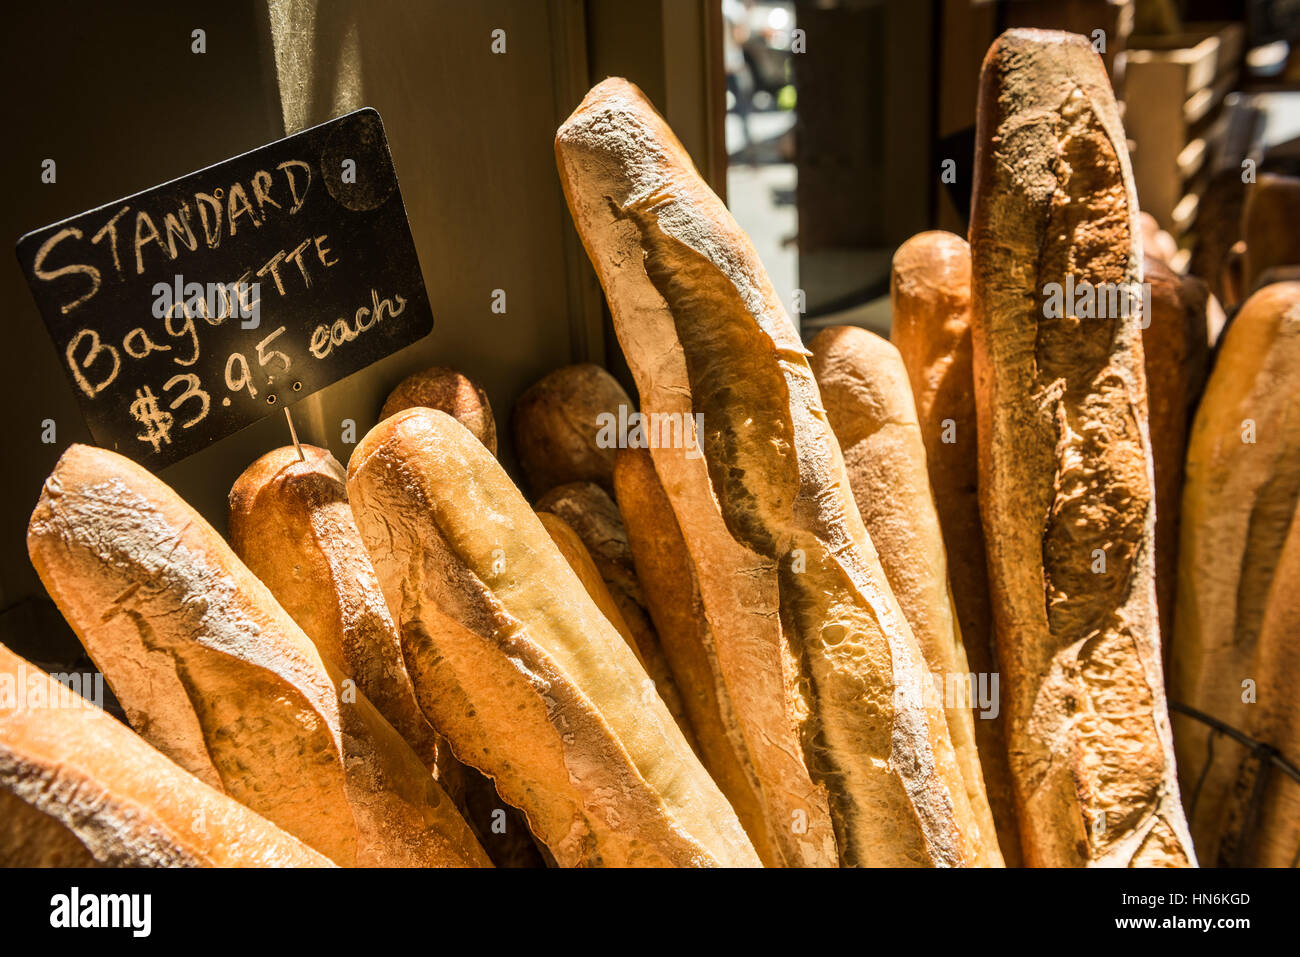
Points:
[(192, 309)]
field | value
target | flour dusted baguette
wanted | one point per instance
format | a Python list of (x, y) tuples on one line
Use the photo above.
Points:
[(868, 401), (78, 789), (561, 430), (768, 502), (1065, 467), (516, 666), (216, 675), (930, 326), (449, 391), (291, 524), (1243, 481), (587, 509), (672, 592), (1176, 353)]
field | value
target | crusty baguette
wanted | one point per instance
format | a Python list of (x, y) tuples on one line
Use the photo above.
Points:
[(291, 524), (592, 514), (868, 401), (516, 666), (930, 326), (1065, 464), (777, 826), (768, 503), (449, 391), (1243, 480), (78, 789), (216, 675), (1261, 819), (584, 566), (1176, 354), (556, 427)]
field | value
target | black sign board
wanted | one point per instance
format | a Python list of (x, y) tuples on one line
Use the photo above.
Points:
[(192, 309)]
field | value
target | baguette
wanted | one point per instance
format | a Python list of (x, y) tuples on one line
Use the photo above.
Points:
[(587, 509), (78, 789), (584, 566), (213, 672), (1065, 478), (557, 427), (516, 666), (1243, 480), (1262, 823), (449, 391), (777, 823), (930, 325), (1176, 351), (767, 504), (291, 524), (864, 387)]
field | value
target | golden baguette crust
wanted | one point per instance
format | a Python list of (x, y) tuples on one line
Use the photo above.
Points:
[(672, 594), (78, 789), (291, 524), (589, 511), (1065, 464), (516, 666), (768, 504), (1241, 490), (557, 423), (215, 674), (930, 326), (580, 560), (448, 391), (868, 400)]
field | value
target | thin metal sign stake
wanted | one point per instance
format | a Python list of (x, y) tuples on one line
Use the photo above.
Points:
[(293, 433)]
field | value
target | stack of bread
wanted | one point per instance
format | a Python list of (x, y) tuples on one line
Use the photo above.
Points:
[(856, 604)]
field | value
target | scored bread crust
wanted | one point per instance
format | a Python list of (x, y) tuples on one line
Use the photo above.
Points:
[(215, 674), (1065, 464), (590, 512), (868, 400), (672, 592), (78, 789), (791, 584), (1241, 491), (516, 666), (930, 326)]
